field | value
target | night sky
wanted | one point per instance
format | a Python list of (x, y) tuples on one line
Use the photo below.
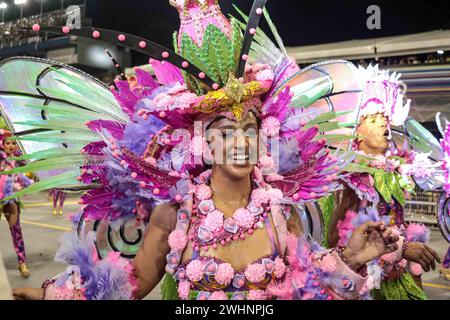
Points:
[(299, 22)]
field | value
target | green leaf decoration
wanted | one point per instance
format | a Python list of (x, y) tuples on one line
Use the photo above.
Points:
[(217, 57), (381, 186), (396, 189)]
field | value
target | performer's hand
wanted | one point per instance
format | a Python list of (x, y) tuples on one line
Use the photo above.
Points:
[(368, 242), (28, 293), (421, 254)]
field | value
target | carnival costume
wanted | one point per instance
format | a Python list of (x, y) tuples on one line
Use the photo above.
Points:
[(383, 183), (132, 159), (10, 184), (439, 155)]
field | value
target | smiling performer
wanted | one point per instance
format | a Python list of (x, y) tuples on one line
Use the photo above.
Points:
[(379, 190), (218, 149)]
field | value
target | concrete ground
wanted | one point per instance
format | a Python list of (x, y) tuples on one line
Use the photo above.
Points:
[(42, 231)]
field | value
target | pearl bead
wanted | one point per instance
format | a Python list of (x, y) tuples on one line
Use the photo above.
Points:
[(181, 275), (214, 246), (142, 44), (206, 248), (313, 194), (202, 75), (242, 236), (295, 197), (215, 86), (211, 268), (185, 64), (197, 248), (250, 231), (252, 31), (179, 198), (134, 175), (156, 191), (165, 55), (245, 57), (142, 184), (162, 114), (228, 239), (66, 30), (96, 34), (222, 242), (36, 27), (121, 37), (259, 11), (235, 237)]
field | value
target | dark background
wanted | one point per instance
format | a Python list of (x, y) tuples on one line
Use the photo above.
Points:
[(299, 22)]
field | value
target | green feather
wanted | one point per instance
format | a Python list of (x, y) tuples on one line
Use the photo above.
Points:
[(64, 179), (49, 164), (49, 153)]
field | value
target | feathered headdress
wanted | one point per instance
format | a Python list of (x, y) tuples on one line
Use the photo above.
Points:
[(131, 159), (382, 94)]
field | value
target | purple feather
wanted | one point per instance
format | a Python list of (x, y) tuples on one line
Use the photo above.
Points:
[(166, 72), (114, 128), (137, 134), (146, 80), (289, 156)]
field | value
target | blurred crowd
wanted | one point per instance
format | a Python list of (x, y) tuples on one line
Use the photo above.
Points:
[(11, 32)]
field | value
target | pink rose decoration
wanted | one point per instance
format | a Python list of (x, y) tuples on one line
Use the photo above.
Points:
[(300, 278), (203, 192), (213, 221), (279, 268), (194, 270), (328, 264), (243, 218), (218, 295), (265, 75), (266, 163), (390, 257), (415, 268), (224, 274), (403, 263), (183, 290), (256, 295), (271, 126), (260, 196), (255, 273), (177, 240), (275, 195)]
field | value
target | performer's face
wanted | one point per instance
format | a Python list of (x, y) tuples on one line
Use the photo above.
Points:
[(234, 145), (9, 146), (375, 134)]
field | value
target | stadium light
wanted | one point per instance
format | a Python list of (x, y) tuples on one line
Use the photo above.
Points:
[(3, 7), (20, 3)]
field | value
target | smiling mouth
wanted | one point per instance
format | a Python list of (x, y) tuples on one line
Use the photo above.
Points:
[(240, 157)]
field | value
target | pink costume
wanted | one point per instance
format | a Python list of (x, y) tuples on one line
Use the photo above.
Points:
[(147, 148)]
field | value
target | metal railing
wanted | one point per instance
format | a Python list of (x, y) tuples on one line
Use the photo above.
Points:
[(422, 207)]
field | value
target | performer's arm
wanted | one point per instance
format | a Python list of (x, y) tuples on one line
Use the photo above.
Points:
[(150, 261), (344, 200)]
